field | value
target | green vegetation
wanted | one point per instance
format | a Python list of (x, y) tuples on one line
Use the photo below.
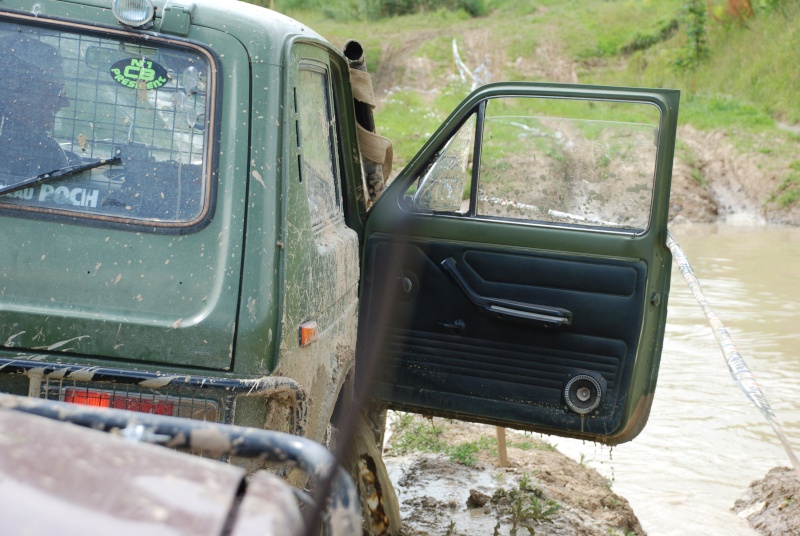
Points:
[(415, 434), (532, 445), (374, 9), (527, 506), (694, 50), (735, 61), (423, 435), (789, 190), (737, 75)]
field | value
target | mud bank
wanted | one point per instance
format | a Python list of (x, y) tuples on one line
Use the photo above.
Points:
[(713, 180), (456, 486), (771, 505)]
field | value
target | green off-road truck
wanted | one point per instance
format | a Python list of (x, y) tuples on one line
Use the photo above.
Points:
[(192, 226)]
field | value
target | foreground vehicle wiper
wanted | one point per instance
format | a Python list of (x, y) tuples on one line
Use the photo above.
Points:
[(58, 174)]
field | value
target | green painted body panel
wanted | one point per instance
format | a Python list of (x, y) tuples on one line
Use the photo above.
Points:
[(224, 300), (113, 293)]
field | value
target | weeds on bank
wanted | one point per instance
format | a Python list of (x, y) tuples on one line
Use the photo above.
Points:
[(532, 445), (416, 435), (424, 435), (526, 507), (788, 192)]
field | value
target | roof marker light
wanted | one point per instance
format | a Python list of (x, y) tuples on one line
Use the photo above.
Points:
[(136, 13)]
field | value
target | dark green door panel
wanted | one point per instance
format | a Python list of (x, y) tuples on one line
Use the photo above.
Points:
[(437, 337), (516, 319)]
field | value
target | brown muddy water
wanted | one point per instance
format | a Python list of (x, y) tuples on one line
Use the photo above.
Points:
[(705, 442)]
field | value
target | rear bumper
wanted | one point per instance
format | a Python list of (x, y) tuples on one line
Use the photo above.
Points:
[(199, 397)]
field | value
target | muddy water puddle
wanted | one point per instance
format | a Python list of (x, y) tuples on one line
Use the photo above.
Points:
[(704, 442), (432, 493)]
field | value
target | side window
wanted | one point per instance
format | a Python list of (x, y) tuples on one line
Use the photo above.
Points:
[(588, 163), (320, 171), (568, 161)]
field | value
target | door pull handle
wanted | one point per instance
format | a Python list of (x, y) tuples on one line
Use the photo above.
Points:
[(542, 316)]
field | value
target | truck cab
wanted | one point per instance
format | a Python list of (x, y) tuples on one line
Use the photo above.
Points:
[(189, 230)]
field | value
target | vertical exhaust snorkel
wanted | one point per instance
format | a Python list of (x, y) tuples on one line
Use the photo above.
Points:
[(376, 151)]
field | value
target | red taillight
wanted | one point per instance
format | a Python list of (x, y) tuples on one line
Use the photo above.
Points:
[(159, 407), (110, 399), (86, 397), (188, 407)]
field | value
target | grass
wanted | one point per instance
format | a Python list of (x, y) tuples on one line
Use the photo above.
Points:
[(750, 66), (424, 435), (748, 80), (603, 29), (788, 192), (527, 507), (413, 434), (706, 111), (746, 85), (408, 120), (532, 445)]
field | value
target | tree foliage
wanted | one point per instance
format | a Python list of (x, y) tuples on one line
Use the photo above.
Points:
[(376, 9), (695, 48)]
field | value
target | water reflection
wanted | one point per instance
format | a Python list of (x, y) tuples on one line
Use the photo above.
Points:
[(705, 442)]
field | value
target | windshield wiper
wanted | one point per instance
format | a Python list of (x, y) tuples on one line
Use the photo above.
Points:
[(58, 174)]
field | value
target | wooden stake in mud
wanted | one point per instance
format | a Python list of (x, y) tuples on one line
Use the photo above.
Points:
[(502, 455)]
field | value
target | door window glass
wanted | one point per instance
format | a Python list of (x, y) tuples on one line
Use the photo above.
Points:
[(569, 161), (317, 141), (445, 187), (71, 99)]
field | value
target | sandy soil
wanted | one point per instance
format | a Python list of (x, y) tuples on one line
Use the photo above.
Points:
[(772, 505), (443, 496), (714, 181)]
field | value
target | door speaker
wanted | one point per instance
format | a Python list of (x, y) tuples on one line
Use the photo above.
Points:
[(583, 392)]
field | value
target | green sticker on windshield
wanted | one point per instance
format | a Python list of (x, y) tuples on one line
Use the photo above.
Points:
[(137, 73)]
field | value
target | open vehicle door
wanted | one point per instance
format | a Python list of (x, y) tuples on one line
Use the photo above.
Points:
[(516, 272)]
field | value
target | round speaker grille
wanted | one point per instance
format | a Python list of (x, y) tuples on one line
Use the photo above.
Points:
[(582, 394)]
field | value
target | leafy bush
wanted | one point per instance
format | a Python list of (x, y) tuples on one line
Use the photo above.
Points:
[(375, 9), (695, 49), (476, 8), (788, 192)]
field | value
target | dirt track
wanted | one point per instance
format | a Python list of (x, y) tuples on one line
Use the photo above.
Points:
[(719, 182)]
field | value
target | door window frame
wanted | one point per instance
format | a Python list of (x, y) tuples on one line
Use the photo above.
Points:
[(475, 105)]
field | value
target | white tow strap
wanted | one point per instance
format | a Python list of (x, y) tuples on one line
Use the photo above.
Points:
[(736, 365)]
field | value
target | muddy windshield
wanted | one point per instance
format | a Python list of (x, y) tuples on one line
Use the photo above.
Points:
[(72, 99)]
